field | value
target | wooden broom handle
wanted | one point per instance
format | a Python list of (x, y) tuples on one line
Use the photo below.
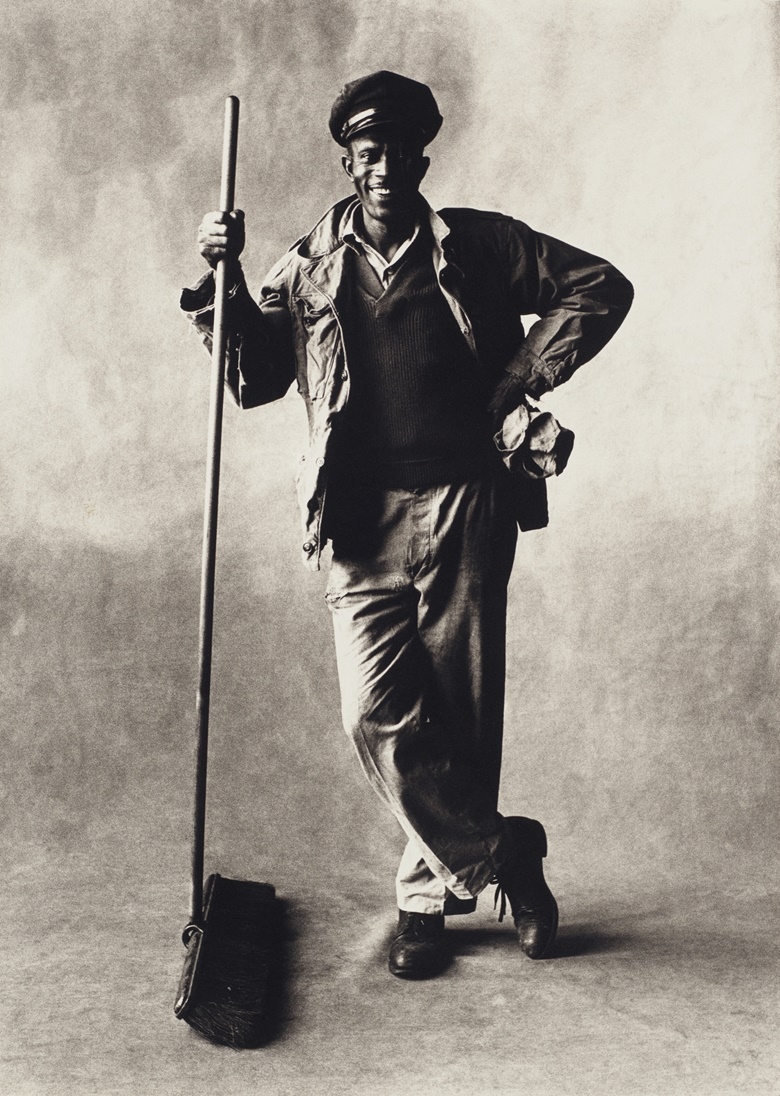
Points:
[(218, 350)]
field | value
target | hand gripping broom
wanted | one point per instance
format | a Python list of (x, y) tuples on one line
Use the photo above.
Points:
[(229, 988)]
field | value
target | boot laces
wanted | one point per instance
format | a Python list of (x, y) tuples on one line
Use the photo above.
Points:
[(500, 894), (420, 925)]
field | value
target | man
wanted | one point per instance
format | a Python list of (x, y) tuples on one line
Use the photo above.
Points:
[(402, 329)]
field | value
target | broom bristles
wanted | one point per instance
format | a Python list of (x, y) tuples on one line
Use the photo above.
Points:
[(231, 989)]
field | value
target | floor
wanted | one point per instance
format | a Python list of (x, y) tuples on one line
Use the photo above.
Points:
[(656, 988), (666, 976)]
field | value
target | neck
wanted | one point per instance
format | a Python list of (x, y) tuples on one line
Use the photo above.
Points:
[(386, 237)]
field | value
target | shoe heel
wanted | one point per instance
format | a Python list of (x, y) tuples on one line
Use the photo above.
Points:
[(533, 837)]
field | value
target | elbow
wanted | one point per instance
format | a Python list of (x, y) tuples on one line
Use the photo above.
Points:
[(628, 294), (250, 395), (616, 300), (622, 294)]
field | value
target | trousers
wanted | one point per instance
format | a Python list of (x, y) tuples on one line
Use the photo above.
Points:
[(417, 591)]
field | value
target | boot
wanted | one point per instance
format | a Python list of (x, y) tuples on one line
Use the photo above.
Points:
[(520, 879), (418, 949)]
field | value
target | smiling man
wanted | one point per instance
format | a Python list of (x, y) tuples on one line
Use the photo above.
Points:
[(402, 328)]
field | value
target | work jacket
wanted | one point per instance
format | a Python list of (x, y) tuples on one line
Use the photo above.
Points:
[(492, 270)]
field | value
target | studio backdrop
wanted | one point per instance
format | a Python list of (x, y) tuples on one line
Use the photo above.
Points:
[(642, 643)]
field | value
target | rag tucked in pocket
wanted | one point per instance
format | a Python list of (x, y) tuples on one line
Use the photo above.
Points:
[(533, 443)]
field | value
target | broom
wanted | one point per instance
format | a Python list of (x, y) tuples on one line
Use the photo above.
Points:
[(231, 983)]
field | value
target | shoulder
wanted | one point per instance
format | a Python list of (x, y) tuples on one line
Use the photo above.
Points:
[(486, 237), (486, 225), (325, 236), (320, 240), (463, 215)]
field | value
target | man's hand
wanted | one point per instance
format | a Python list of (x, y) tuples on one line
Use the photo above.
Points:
[(507, 395), (221, 236)]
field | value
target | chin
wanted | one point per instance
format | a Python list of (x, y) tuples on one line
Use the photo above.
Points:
[(389, 209)]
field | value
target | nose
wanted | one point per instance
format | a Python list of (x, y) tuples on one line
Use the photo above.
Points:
[(389, 162)]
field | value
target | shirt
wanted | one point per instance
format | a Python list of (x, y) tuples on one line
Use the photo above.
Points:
[(383, 268)]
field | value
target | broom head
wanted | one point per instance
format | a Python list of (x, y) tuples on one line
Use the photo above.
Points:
[(230, 988)]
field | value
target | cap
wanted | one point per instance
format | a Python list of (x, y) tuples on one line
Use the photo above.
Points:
[(385, 98)]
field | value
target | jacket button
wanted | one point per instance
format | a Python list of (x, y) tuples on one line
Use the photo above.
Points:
[(309, 546), (465, 331), (319, 462)]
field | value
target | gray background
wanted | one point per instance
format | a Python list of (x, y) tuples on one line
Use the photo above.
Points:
[(640, 713)]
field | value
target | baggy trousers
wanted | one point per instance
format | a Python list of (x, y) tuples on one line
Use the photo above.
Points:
[(418, 591)]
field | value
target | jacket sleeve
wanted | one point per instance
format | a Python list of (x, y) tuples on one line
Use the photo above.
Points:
[(260, 358), (580, 299)]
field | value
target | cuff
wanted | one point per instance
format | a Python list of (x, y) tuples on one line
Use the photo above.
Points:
[(200, 297), (536, 375)]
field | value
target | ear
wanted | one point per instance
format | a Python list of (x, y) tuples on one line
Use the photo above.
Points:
[(346, 163)]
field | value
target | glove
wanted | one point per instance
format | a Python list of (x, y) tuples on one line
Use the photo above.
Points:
[(533, 443)]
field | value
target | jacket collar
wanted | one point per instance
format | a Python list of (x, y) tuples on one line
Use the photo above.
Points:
[(323, 249)]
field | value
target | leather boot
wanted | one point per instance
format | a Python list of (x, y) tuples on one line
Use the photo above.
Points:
[(418, 949), (520, 879)]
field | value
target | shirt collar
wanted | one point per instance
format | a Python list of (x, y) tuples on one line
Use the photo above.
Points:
[(353, 235)]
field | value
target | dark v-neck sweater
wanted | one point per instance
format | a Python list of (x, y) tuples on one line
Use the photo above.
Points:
[(416, 413)]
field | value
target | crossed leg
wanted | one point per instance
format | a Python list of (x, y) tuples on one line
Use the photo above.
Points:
[(417, 591)]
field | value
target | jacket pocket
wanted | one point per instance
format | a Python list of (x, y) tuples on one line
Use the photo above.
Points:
[(319, 339)]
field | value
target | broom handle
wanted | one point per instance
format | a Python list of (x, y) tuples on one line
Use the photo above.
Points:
[(218, 349)]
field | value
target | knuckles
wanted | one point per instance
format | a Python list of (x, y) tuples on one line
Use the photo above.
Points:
[(221, 235)]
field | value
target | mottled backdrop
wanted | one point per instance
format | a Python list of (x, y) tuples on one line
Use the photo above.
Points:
[(641, 704)]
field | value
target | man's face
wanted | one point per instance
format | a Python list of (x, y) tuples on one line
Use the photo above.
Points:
[(386, 171)]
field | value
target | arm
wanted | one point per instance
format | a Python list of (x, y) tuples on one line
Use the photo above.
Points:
[(260, 359), (581, 301)]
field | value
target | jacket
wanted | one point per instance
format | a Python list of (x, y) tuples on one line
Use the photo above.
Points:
[(492, 270)]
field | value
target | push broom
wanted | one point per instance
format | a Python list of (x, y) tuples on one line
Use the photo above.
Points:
[(230, 986)]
